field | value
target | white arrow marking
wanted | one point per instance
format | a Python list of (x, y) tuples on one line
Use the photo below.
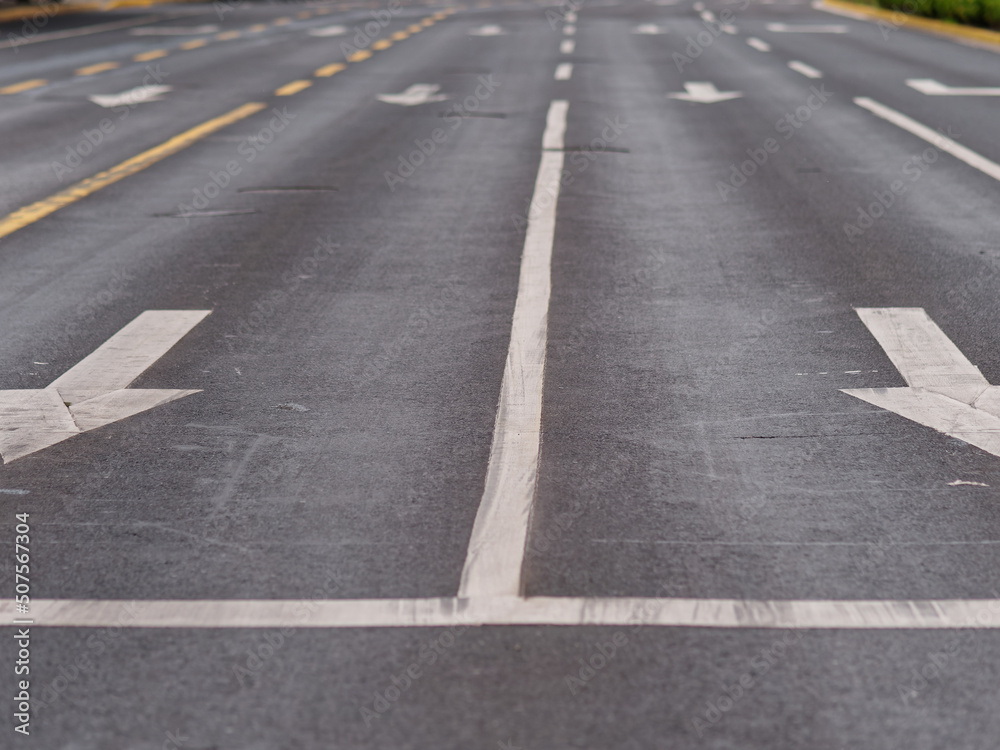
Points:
[(488, 30), (174, 30), (946, 391), (826, 28), (328, 31), (932, 88), (92, 394), (138, 95), (418, 93), (649, 28), (705, 93)]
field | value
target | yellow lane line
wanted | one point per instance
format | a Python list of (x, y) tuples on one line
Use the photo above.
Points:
[(194, 44), (17, 88), (415, 28), (292, 88), (328, 70), (382, 44), (400, 36), (258, 27), (304, 14), (282, 21), (361, 54), (89, 70), (32, 213), (155, 54), (227, 35)]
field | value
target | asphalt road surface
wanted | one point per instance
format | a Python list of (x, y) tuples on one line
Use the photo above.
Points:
[(607, 375)]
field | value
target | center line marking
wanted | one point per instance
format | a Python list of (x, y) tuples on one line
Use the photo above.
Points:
[(292, 88), (807, 70), (89, 70), (564, 71), (933, 137), (17, 88), (39, 210), (496, 549)]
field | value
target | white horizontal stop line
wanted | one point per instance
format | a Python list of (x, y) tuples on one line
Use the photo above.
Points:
[(558, 611)]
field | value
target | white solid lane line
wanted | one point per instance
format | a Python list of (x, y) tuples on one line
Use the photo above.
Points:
[(396, 613), (564, 71), (496, 548), (567, 46), (933, 137), (127, 354), (784, 28), (807, 70), (930, 87), (85, 31), (759, 44)]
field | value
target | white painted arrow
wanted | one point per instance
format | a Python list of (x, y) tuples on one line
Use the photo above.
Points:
[(488, 30), (418, 93), (649, 28), (946, 391), (705, 93), (328, 31), (818, 28), (932, 88), (93, 393), (138, 95)]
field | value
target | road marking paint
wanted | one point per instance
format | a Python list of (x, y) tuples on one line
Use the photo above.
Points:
[(400, 36), (569, 30), (570, 16), (292, 88), (807, 70), (328, 70), (281, 21), (704, 92), (427, 22), (759, 44), (17, 88), (729, 28), (155, 54), (39, 210), (960, 482), (194, 44), (361, 54), (707, 16), (225, 36), (496, 547), (89, 70), (174, 30), (946, 392), (328, 31), (797, 614), (92, 394), (830, 28), (923, 353), (257, 28), (567, 46), (304, 15), (418, 93), (414, 28), (564, 71), (930, 87), (488, 30), (382, 44), (85, 31), (138, 95), (649, 28), (117, 362), (933, 137)]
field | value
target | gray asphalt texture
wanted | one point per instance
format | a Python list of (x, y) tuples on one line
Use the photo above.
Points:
[(695, 440)]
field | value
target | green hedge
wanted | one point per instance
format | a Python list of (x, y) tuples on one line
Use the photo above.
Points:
[(972, 12)]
